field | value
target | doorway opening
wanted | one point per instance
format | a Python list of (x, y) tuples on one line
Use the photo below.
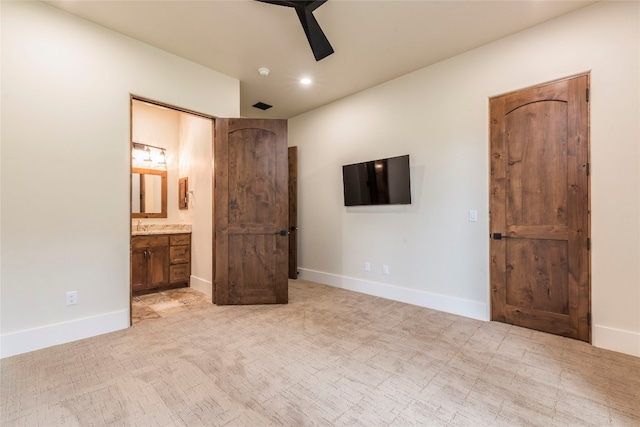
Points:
[(171, 246)]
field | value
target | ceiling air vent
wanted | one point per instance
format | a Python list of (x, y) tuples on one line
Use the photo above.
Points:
[(262, 105)]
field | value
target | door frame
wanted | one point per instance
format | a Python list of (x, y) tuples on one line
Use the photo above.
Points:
[(293, 212), (588, 190)]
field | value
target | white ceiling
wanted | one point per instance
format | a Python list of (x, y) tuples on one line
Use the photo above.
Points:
[(374, 40)]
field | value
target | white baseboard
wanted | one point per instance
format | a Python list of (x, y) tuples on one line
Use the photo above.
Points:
[(201, 285), (28, 340), (459, 306), (617, 340)]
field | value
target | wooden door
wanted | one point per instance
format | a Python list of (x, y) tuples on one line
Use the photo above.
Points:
[(539, 205), (293, 212), (251, 211)]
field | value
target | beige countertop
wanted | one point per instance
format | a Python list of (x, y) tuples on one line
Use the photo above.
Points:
[(147, 229)]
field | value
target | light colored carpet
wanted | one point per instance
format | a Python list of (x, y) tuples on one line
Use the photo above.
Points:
[(329, 357)]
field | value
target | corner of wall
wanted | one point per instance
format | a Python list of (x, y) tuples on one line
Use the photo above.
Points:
[(613, 339)]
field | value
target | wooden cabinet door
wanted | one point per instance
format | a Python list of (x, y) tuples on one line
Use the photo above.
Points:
[(251, 211), (138, 270), (540, 208), (157, 266)]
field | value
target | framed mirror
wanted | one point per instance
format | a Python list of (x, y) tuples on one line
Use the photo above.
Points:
[(148, 193)]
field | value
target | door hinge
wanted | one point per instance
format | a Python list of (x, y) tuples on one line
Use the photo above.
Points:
[(589, 319), (587, 168), (587, 94), (588, 243)]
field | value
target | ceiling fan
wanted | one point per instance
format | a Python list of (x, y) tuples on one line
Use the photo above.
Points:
[(317, 40)]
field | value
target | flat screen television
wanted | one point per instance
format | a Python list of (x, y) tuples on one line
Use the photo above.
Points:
[(377, 182)]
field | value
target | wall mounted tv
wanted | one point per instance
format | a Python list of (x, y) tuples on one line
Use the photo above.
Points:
[(377, 182)]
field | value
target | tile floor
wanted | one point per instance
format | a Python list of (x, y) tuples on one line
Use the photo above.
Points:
[(166, 303)]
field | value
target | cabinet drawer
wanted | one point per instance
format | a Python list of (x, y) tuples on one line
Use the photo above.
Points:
[(141, 242), (180, 239), (179, 254), (179, 273)]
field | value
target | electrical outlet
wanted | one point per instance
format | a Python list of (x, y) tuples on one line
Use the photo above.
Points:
[(385, 269), (72, 297), (367, 266)]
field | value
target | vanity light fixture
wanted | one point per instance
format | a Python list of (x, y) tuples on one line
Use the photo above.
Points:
[(147, 157)]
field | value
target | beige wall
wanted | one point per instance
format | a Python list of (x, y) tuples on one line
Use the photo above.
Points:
[(196, 135), (439, 115), (64, 213)]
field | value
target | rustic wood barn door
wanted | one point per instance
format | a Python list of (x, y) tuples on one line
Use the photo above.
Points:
[(251, 211), (539, 205)]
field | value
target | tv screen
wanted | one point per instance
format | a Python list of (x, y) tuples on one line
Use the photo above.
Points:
[(377, 182)]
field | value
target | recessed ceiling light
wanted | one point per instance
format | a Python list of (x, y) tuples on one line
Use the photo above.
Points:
[(305, 81)]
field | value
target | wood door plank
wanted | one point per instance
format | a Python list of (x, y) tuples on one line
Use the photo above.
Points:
[(497, 210), (550, 232), (578, 157), (552, 323), (553, 91), (547, 288), (221, 197)]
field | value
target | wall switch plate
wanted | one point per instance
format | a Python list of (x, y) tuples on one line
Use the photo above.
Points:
[(385, 269), (473, 215), (72, 297), (367, 266)]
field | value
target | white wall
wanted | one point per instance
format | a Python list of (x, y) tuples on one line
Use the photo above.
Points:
[(65, 162), (196, 135), (439, 115)]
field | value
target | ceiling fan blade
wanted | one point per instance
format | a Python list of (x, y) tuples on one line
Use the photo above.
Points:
[(319, 43), (317, 40), (281, 2), (314, 4), (302, 4)]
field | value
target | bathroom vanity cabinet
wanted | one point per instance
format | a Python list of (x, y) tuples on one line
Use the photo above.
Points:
[(160, 261)]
